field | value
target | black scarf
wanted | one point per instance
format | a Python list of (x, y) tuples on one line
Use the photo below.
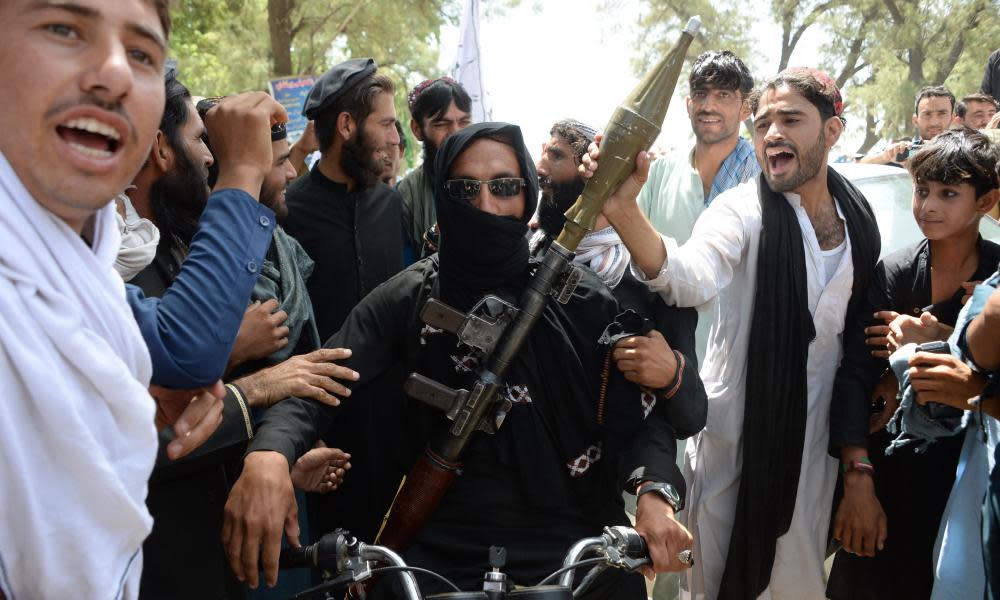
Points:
[(774, 421), (480, 252)]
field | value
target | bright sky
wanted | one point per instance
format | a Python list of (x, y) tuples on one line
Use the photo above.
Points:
[(535, 74)]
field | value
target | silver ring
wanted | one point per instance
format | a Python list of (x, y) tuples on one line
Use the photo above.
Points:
[(686, 557)]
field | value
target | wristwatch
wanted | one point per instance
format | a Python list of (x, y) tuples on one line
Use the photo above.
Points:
[(663, 490)]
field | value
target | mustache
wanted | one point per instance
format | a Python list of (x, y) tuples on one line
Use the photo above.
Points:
[(92, 100), (705, 113), (785, 145)]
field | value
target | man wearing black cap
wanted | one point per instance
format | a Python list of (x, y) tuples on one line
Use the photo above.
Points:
[(347, 220), (555, 470), (350, 224)]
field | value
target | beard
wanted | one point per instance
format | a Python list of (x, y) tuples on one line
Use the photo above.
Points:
[(430, 153), (810, 164), (271, 198), (178, 199), (555, 201), (358, 159)]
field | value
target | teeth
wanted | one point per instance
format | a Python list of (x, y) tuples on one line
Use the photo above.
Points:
[(94, 126), (94, 152)]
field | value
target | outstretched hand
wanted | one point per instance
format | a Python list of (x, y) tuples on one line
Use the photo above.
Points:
[(321, 470), (312, 375)]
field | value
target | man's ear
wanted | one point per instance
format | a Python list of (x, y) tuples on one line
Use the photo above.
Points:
[(834, 128), (346, 125), (914, 119), (745, 109), (161, 156), (986, 202), (415, 130)]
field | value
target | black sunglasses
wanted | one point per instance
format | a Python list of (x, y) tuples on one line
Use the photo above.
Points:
[(467, 189)]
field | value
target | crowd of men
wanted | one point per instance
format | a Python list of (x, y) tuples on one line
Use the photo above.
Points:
[(205, 333)]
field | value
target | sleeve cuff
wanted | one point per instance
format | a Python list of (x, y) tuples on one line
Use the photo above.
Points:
[(241, 400), (663, 277)]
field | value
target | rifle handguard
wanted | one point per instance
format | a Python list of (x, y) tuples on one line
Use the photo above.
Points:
[(417, 499)]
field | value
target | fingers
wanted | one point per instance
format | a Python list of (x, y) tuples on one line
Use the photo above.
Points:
[(931, 359), (278, 317), (641, 173), (335, 371), (633, 350), (654, 334), (232, 540), (281, 333), (329, 354), (632, 341), (888, 316), (271, 549), (195, 425), (249, 559)]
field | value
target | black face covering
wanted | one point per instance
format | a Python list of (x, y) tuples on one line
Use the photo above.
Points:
[(480, 252)]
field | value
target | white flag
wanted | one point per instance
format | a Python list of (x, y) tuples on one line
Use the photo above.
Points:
[(467, 68)]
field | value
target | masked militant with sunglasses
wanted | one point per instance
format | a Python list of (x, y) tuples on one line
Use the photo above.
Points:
[(575, 436)]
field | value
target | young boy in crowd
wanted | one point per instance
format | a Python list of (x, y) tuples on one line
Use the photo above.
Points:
[(920, 290)]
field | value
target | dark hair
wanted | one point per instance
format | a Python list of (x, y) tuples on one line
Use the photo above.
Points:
[(176, 110), (956, 156), (433, 101), (934, 91), (357, 102), (977, 97), (720, 70), (163, 12), (576, 135), (402, 137), (960, 109), (803, 82)]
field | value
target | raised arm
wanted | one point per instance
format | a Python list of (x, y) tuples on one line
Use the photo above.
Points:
[(190, 332)]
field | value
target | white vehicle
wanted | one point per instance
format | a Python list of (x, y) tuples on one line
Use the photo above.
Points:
[(889, 191)]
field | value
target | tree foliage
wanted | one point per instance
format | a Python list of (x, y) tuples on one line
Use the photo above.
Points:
[(224, 46), (880, 51)]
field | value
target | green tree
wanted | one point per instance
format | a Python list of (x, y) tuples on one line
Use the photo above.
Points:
[(915, 44), (880, 51), (224, 46)]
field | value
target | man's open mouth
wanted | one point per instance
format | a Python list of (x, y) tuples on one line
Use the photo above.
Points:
[(90, 137), (779, 159)]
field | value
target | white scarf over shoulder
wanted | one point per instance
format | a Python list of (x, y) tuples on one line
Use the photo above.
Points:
[(77, 439)]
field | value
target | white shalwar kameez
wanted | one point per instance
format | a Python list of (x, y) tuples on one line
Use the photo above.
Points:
[(720, 259)]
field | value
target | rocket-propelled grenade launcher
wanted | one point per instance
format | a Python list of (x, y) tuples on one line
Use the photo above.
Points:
[(496, 330)]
